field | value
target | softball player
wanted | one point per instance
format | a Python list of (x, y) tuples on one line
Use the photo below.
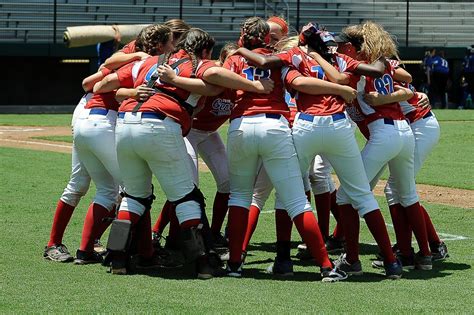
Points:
[(282, 266), (383, 122), (94, 138), (77, 187), (204, 139), (426, 131), (263, 187), (259, 131)]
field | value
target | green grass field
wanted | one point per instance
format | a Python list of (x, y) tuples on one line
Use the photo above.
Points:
[(32, 181)]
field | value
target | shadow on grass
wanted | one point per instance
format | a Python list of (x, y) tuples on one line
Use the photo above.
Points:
[(364, 249), (253, 268), (268, 247), (439, 270)]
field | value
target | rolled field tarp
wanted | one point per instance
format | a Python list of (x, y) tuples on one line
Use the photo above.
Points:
[(78, 36)]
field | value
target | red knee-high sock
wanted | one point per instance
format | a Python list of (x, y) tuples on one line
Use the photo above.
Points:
[(254, 213), (376, 225), (219, 211), (190, 223), (308, 228), (95, 214), (323, 208), (433, 237), (351, 224), (415, 216), (127, 215), (338, 232), (143, 229), (102, 227), (61, 219), (173, 233), (237, 223), (402, 229), (163, 218)]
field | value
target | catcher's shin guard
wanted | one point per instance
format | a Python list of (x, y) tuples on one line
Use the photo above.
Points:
[(118, 246), (193, 244), (199, 261), (197, 196)]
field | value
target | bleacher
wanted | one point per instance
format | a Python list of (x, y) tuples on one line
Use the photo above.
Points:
[(431, 23), (449, 24)]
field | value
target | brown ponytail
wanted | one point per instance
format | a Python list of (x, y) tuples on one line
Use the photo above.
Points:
[(255, 33), (178, 27), (151, 36), (194, 42)]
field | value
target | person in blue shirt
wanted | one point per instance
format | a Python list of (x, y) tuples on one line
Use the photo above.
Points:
[(438, 75)]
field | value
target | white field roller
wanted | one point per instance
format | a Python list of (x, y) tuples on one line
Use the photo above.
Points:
[(78, 36)]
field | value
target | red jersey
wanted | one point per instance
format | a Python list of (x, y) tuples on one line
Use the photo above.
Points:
[(216, 111), (383, 85), (129, 48), (344, 63), (140, 72), (303, 64), (103, 100), (410, 108), (247, 103)]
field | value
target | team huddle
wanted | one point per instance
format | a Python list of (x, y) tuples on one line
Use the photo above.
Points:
[(293, 104)]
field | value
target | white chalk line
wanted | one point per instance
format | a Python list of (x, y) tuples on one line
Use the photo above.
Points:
[(38, 143), (21, 130), (443, 236)]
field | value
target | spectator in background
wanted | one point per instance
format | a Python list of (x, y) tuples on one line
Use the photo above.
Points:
[(424, 66), (468, 69), (437, 75), (107, 49)]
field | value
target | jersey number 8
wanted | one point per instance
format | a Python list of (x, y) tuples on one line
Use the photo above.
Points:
[(384, 85)]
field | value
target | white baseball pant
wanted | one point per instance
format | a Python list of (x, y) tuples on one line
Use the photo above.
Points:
[(320, 176), (263, 188), (147, 146), (262, 139), (94, 137), (334, 138), (426, 132), (209, 145), (391, 142), (80, 179)]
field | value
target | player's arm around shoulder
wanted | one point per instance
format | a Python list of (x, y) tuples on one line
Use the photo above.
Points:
[(228, 79), (399, 95), (193, 85)]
